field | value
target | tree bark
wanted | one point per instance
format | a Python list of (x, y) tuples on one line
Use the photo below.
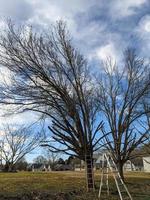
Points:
[(120, 169), (89, 173), (6, 167), (9, 167)]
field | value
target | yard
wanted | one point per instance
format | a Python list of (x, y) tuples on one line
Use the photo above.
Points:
[(65, 186)]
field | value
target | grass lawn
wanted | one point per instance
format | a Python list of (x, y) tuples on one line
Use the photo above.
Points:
[(66, 186)]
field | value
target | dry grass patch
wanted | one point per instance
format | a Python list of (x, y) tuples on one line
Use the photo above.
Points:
[(71, 183)]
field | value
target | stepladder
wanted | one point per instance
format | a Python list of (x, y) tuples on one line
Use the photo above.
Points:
[(109, 168)]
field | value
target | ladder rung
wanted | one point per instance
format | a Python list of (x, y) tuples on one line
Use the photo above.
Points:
[(123, 191), (120, 184)]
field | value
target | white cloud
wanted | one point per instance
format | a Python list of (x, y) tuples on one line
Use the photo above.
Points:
[(91, 32), (108, 51), (89, 37), (15, 9), (18, 119), (2, 24), (49, 11), (143, 33), (143, 28), (124, 8), (2, 133), (5, 76)]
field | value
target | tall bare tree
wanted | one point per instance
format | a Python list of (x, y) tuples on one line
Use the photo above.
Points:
[(16, 144), (50, 76), (121, 94), (51, 157), (40, 160)]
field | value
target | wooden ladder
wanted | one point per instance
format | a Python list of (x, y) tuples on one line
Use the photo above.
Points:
[(91, 173)]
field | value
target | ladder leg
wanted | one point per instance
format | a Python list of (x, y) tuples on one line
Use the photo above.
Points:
[(115, 178), (110, 165), (107, 180), (101, 184), (102, 177), (107, 158)]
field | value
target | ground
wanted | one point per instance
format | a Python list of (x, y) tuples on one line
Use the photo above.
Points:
[(65, 186)]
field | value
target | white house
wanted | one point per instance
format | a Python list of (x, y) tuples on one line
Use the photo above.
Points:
[(133, 165), (40, 167), (136, 164), (129, 166), (146, 163)]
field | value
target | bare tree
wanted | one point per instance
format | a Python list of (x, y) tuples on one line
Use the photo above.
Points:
[(50, 76), (121, 94), (40, 160), (51, 157), (21, 165), (16, 144)]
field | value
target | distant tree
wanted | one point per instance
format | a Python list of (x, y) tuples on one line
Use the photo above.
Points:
[(122, 91), (145, 149), (16, 144), (21, 165), (51, 157), (61, 161), (76, 162), (70, 160), (50, 76), (40, 160)]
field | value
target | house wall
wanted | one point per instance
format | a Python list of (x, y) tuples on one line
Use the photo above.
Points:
[(129, 166), (146, 163), (42, 168)]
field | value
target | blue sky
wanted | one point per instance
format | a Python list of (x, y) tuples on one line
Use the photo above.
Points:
[(100, 28)]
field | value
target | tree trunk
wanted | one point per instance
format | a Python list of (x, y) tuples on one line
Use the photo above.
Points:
[(11, 168), (80, 165), (120, 169), (89, 173), (6, 167)]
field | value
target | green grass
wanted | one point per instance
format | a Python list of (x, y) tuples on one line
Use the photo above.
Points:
[(14, 184)]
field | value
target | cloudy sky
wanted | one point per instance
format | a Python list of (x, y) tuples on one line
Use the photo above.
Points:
[(100, 28)]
